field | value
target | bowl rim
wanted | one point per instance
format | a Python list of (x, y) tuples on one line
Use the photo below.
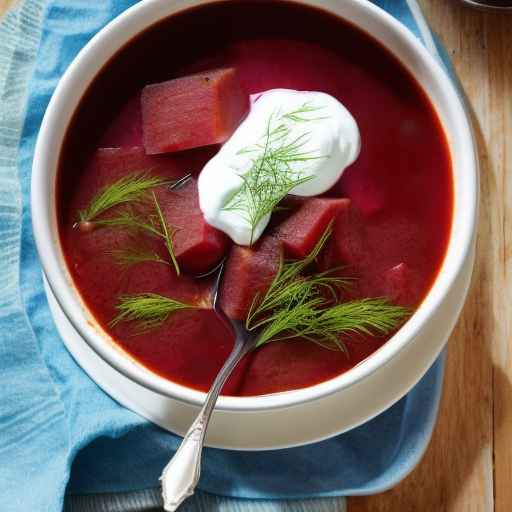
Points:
[(69, 91)]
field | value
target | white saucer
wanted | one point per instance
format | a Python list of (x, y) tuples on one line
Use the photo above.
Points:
[(271, 429)]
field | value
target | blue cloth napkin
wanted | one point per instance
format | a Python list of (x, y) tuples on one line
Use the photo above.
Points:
[(59, 432)]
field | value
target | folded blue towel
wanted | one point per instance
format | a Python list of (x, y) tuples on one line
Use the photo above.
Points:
[(58, 429)]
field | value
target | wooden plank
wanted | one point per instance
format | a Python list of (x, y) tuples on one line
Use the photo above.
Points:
[(476, 414), (498, 36), (4, 5)]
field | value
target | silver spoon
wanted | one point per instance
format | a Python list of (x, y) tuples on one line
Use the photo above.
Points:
[(180, 476)]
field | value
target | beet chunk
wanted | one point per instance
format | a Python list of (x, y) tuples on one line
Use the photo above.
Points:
[(192, 111), (249, 271), (349, 237), (107, 165), (110, 164), (198, 247), (303, 229), (125, 129), (347, 245)]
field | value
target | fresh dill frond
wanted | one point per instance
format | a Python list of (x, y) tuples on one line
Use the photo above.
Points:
[(125, 190), (306, 306), (293, 268), (277, 167), (149, 310), (309, 315), (364, 316), (132, 256), (167, 233), (129, 219), (286, 285), (301, 114), (153, 223)]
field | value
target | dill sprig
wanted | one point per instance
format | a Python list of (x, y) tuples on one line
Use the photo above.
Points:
[(297, 306), (372, 317), (167, 233), (125, 190), (324, 324), (154, 224), (277, 166), (149, 310), (301, 114), (287, 288), (132, 256)]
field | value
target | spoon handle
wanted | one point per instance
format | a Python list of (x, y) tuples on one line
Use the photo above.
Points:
[(180, 476)]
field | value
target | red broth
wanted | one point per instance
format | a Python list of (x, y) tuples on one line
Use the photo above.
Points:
[(401, 182)]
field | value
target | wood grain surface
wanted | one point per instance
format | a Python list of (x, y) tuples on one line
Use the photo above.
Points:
[(468, 465), (4, 5)]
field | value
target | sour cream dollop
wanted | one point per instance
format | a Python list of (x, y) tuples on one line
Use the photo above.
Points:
[(325, 130)]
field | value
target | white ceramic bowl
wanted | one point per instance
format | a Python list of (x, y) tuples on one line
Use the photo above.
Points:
[(365, 390)]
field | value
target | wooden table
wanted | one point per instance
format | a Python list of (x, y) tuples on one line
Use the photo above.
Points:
[(4, 4), (468, 466)]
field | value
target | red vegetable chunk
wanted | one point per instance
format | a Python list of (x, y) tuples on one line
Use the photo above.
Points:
[(107, 165), (303, 229), (197, 245), (126, 128), (347, 245), (192, 111), (349, 237), (110, 164), (249, 271)]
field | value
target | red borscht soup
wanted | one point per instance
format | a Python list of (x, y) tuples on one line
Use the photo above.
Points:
[(161, 109)]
